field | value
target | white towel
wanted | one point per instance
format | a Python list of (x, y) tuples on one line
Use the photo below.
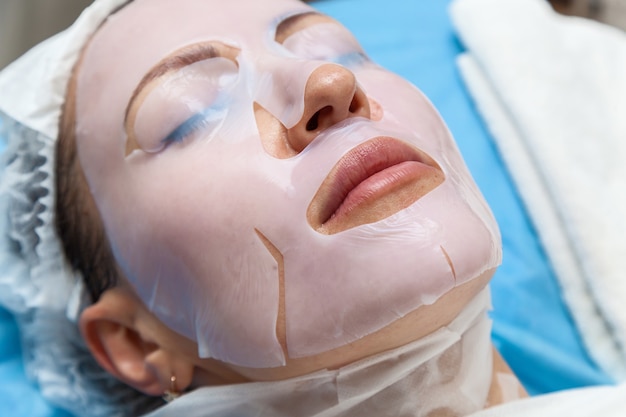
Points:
[(605, 401), (552, 90)]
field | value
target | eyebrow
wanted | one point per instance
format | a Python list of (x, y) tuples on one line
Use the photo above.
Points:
[(177, 60), (286, 25)]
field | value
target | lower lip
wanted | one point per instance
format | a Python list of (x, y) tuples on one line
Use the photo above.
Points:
[(383, 194)]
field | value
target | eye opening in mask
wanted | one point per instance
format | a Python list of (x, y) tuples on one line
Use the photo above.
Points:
[(206, 62), (316, 36)]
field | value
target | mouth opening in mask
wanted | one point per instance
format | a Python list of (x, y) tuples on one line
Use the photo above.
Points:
[(371, 182)]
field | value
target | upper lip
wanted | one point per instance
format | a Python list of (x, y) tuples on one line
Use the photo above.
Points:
[(357, 165)]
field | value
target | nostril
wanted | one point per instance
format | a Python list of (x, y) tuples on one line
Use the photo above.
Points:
[(354, 105), (313, 122), (360, 104)]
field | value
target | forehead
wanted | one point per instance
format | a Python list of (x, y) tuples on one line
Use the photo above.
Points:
[(161, 25)]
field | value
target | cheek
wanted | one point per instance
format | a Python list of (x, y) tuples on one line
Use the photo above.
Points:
[(199, 196), (395, 96)]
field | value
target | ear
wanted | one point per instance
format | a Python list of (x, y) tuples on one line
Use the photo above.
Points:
[(124, 338)]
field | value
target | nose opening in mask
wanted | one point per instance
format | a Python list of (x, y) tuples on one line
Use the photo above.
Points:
[(331, 95)]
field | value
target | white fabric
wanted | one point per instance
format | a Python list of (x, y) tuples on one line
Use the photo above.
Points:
[(606, 401), (446, 373), (553, 92), (41, 290), (36, 283)]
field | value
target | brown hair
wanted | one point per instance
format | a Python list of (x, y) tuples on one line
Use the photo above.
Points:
[(77, 220)]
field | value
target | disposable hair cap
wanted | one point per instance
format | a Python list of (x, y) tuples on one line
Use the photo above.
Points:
[(36, 283)]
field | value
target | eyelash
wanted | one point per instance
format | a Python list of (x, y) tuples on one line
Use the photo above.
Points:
[(195, 123)]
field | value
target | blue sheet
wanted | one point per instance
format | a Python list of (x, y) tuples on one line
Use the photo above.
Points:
[(532, 327)]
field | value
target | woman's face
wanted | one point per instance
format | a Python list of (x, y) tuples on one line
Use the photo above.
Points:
[(267, 190)]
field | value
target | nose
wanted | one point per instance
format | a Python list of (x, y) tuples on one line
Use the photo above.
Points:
[(331, 95)]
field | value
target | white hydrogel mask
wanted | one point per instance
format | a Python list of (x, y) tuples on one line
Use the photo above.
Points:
[(212, 231)]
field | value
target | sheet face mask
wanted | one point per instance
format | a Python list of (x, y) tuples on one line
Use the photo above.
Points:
[(220, 232), (447, 373)]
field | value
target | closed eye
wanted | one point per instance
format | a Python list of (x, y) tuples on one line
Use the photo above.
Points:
[(199, 122), (174, 96)]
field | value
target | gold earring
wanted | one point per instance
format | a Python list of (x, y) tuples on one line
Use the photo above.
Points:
[(171, 394)]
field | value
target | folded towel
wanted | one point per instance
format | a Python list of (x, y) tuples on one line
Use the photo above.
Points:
[(605, 401), (552, 90)]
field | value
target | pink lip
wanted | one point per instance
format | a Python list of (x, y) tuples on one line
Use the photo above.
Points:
[(371, 182)]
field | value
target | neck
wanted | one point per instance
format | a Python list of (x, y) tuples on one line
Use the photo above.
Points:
[(455, 371), (504, 384)]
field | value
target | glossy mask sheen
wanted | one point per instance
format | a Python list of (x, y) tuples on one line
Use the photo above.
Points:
[(204, 221)]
